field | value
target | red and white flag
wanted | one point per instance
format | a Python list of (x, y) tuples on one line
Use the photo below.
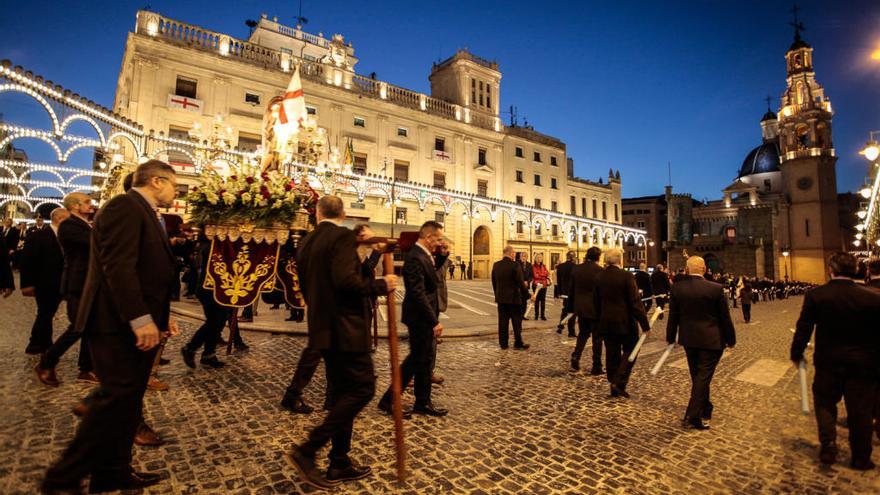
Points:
[(293, 107)]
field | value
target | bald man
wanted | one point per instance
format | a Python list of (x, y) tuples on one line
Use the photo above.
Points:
[(74, 237), (41, 266), (699, 317)]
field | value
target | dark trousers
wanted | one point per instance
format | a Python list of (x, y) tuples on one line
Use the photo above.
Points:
[(617, 350), (417, 365), (570, 320), (506, 314), (41, 332), (103, 441), (747, 312), (305, 369), (540, 302), (215, 320), (701, 364), (587, 329), (858, 393), (350, 375), (67, 339)]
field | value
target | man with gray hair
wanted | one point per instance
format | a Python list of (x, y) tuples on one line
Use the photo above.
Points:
[(42, 264), (619, 313)]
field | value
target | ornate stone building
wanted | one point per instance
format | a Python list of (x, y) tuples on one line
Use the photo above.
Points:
[(444, 156), (780, 217)]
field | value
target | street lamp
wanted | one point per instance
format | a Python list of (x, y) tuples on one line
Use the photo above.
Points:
[(785, 255), (872, 149)]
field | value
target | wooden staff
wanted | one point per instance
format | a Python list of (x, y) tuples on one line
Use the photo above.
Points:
[(233, 328), (375, 325), (396, 405)]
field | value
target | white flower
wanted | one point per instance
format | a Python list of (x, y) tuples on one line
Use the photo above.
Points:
[(246, 197)]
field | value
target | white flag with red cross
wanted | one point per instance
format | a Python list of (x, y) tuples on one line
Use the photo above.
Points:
[(293, 106)]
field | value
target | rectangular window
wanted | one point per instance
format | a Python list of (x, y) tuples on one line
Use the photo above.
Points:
[(481, 85), (482, 187), (439, 217), (519, 226), (604, 210), (537, 202), (473, 83), (311, 110), (554, 230), (481, 99), (177, 156), (538, 229), (519, 200), (359, 165), (537, 156), (440, 180), (572, 206), (400, 216), (481, 156), (488, 97), (807, 226), (185, 87), (553, 205), (248, 143), (583, 207), (473, 97), (595, 211), (553, 161), (616, 215), (439, 144), (252, 98), (553, 183), (519, 176), (401, 170), (402, 132), (554, 260), (537, 180), (519, 152), (360, 122)]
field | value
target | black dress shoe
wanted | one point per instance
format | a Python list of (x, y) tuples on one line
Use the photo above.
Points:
[(521, 347), (212, 362), (348, 474), (296, 405), (385, 407), (694, 424), (828, 453), (305, 466), (866, 465), (559, 329), (34, 350), (574, 366), (128, 481), (617, 391), (596, 371), (430, 410), (189, 357), (49, 489), (543, 318), (241, 346)]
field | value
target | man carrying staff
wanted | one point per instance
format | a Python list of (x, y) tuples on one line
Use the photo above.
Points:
[(699, 316), (338, 297)]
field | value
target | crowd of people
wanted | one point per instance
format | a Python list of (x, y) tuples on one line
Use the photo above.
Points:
[(118, 270)]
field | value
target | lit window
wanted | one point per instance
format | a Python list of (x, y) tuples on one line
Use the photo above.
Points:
[(360, 122), (402, 132), (252, 98)]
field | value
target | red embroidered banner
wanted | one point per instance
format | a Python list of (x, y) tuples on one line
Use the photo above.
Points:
[(239, 271)]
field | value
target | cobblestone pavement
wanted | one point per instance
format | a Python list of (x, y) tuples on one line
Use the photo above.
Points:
[(519, 423)]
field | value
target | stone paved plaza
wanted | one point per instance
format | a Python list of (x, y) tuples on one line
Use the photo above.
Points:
[(519, 422)]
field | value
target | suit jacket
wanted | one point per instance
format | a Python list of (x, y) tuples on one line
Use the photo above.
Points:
[(440, 266), (74, 234), (659, 283), (7, 281), (643, 282), (131, 268), (11, 237), (845, 317), (421, 303), (42, 263), (581, 288), (336, 290), (563, 277), (508, 283), (616, 299), (698, 314)]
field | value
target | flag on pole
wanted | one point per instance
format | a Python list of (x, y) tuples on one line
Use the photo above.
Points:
[(293, 106)]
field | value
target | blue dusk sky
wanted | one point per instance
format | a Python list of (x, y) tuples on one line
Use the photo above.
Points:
[(629, 85)]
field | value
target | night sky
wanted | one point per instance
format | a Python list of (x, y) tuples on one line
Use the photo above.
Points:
[(629, 85)]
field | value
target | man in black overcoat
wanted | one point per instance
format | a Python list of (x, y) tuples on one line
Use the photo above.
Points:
[(582, 304), (510, 296)]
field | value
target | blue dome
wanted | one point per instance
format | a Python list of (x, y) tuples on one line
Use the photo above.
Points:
[(764, 158)]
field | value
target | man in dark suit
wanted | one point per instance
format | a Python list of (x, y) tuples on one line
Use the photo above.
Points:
[(39, 224), (42, 264), (874, 282), (643, 282), (10, 236), (563, 285), (510, 295), (581, 303), (7, 281), (125, 302), (660, 286), (339, 310), (699, 317), (619, 312), (73, 235), (421, 315), (847, 357)]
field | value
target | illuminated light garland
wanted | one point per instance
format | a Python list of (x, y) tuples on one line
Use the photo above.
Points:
[(43, 167), (41, 183), (33, 94), (69, 120)]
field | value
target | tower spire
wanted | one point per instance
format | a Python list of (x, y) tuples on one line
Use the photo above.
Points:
[(795, 23)]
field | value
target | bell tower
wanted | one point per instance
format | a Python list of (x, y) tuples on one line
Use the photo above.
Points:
[(807, 162)]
